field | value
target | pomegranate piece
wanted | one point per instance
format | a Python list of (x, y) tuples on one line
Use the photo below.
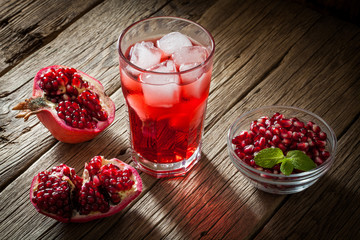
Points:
[(107, 186), (70, 103), (52, 195), (284, 133)]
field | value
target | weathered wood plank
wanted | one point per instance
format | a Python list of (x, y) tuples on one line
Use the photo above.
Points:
[(215, 212), (213, 200), (27, 25), (17, 146), (275, 83), (14, 213), (346, 9), (156, 209), (311, 215)]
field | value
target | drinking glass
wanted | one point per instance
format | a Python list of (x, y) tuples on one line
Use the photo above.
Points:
[(166, 115)]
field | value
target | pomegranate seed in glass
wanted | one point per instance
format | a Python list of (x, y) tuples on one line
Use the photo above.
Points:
[(286, 128)]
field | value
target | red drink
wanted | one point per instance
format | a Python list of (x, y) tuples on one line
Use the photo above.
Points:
[(165, 82)]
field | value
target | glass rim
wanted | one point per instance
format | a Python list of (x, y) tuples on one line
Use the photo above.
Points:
[(315, 171), (122, 55)]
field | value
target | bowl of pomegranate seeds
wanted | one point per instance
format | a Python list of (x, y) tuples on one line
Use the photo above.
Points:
[(281, 149)]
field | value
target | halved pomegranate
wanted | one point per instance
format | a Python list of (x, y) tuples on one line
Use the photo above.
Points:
[(70, 103), (107, 186)]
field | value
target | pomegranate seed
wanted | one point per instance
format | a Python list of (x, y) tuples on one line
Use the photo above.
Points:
[(248, 141), (324, 155), (296, 136), (318, 161), (315, 152), (243, 135), (320, 143), (304, 146), (322, 136), (298, 124), (282, 147), (256, 138), (275, 131), (293, 146), (242, 144), (303, 131), (267, 123), (311, 142), (261, 120), (277, 116), (254, 127), (310, 134), (268, 134), (286, 141), (276, 139), (257, 149), (316, 128), (285, 123), (249, 149), (251, 135), (285, 133), (236, 140), (262, 131), (252, 162), (248, 157), (303, 139), (272, 144), (262, 142)]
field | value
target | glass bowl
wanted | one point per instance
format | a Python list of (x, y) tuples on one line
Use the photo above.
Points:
[(279, 183)]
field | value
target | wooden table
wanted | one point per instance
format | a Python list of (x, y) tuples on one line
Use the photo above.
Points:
[(267, 52)]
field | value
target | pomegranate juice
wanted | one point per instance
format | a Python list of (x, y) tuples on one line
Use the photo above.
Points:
[(166, 118), (165, 80)]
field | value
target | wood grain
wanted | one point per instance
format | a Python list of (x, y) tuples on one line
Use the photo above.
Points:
[(308, 215), (268, 52), (29, 25), (17, 145)]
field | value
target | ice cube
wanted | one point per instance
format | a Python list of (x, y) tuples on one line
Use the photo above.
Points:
[(190, 55), (172, 42), (145, 55), (164, 67), (192, 75), (196, 88), (161, 90)]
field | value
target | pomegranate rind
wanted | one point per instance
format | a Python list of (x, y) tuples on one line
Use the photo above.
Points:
[(58, 128), (132, 194)]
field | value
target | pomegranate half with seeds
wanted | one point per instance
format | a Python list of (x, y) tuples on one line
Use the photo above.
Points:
[(70, 103), (106, 187)]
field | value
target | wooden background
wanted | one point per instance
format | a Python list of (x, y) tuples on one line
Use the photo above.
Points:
[(267, 52)]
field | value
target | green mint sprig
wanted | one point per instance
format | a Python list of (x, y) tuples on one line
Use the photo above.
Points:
[(295, 159)]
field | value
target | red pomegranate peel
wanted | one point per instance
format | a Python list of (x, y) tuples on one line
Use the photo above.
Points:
[(74, 193), (58, 87)]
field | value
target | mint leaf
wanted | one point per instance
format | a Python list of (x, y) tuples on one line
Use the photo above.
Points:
[(286, 167), (269, 157), (300, 160)]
